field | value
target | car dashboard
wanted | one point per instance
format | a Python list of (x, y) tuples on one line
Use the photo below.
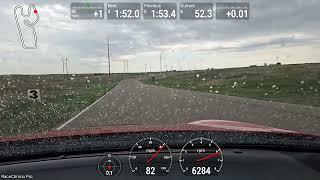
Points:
[(179, 154), (237, 164)]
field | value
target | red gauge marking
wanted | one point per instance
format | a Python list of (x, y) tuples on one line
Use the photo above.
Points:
[(35, 11), (109, 167), (155, 154), (209, 156)]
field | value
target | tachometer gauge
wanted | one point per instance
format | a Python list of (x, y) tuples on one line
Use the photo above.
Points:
[(150, 157), (109, 165), (201, 157)]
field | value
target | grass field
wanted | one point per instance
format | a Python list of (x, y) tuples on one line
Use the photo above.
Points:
[(60, 99), (296, 84)]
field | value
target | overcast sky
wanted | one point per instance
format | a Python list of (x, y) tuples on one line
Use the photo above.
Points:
[(278, 30)]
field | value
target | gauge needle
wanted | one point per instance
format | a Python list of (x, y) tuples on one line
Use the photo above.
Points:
[(155, 154), (209, 156)]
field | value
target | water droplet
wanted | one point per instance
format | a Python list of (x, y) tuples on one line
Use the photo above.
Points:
[(234, 84)]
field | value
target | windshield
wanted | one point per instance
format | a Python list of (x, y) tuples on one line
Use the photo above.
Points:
[(83, 64)]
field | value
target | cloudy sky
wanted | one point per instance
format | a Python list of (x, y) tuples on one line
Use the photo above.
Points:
[(278, 30)]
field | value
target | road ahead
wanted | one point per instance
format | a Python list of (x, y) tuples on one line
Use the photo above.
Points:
[(132, 102)]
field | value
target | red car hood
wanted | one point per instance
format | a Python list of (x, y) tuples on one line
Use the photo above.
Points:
[(204, 125)]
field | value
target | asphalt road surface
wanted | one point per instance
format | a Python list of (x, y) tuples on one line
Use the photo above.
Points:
[(132, 102)]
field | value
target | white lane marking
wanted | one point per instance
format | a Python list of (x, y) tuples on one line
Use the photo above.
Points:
[(73, 118)]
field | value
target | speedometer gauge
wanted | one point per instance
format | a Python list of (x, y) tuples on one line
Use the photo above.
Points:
[(201, 157), (150, 157)]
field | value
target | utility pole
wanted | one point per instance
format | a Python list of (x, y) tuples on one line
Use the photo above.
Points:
[(127, 66), (124, 66), (67, 66), (125, 63), (109, 57), (160, 62), (62, 60)]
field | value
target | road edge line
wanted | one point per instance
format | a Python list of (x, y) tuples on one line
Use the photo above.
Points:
[(81, 112)]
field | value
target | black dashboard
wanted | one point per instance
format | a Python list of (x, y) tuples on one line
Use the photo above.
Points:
[(238, 164), (173, 155)]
